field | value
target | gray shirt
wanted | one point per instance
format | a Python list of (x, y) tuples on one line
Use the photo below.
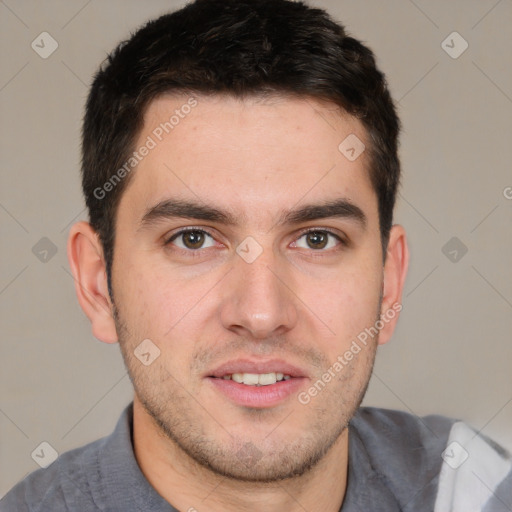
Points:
[(397, 462)]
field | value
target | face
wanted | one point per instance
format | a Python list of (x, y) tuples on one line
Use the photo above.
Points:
[(258, 279)]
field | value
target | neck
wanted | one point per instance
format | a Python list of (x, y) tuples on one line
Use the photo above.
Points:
[(189, 486)]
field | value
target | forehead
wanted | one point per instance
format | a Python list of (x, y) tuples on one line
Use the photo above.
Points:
[(253, 155)]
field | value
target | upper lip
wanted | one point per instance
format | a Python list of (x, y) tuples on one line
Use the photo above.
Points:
[(248, 366)]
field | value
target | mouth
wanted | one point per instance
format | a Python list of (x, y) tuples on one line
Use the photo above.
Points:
[(252, 373), (257, 384), (256, 379)]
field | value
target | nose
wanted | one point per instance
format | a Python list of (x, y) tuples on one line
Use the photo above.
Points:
[(259, 301)]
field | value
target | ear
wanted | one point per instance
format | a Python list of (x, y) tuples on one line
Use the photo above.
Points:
[(85, 255), (395, 271)]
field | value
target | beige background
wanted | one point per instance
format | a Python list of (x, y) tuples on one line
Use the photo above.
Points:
[(452, 351)]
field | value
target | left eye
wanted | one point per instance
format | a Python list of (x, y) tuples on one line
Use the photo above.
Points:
[(191, 239), (318, 240)]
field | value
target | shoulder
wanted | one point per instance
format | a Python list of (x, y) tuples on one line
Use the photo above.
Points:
[(390, 430), (66, 481), (444, 457), (404, 450)]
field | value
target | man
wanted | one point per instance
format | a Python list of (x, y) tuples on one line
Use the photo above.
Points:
[(240, 169)]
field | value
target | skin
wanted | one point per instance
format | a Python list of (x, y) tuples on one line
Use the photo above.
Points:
[(298, 302)]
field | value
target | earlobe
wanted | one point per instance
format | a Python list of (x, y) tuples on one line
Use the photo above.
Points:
[(85, 256), (395, 272)]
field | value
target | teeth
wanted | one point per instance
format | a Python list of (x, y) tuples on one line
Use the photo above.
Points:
[(257, 379), (266, 378)]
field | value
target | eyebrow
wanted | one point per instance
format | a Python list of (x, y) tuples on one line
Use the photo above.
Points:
[(186, 209)]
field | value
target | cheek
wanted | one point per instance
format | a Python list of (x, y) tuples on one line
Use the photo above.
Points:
[(144, 297), (154, 308), (162, 306), (348, 303)]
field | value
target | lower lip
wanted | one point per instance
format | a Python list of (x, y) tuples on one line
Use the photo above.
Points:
[(258, 396)]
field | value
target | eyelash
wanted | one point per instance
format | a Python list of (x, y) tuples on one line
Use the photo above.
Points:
[(198, 252)]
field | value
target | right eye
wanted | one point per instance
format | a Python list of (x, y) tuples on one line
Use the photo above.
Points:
[(190, 239)]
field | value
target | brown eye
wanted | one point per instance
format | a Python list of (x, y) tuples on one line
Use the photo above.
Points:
[(318, 240), (192, 239)]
